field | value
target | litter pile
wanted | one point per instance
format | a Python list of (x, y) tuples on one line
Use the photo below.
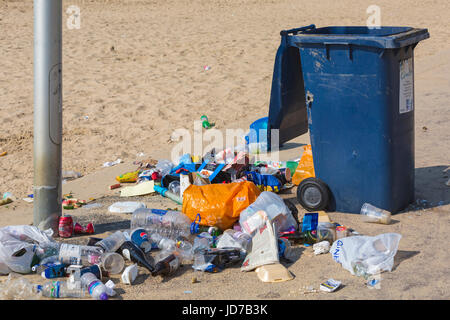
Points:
[(231, 216)]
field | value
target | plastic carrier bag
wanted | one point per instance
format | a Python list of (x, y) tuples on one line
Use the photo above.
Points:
[(377, 253), (18, 247), (219, 205), (269, 206)]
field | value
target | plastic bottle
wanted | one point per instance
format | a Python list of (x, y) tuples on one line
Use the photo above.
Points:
[(59, 289), (168, 224), (180, 248), (164, 167), (81, 255), (174, 187), (95, 287), (112, 242), (244, 239)]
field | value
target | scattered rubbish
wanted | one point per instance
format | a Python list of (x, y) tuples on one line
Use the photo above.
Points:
[(112, 262), (168, 194), (330, 285), (140, 189), (130, 274), (4, 153), (140, 238), (309, 289), (219, 204), (111, 163), (264, 248), (96, 288), (92, 206), (268, 206), (79, 229), (65, 226), (167, 264), (125, 207), (321, 247), (273, 273), (206, 68), (115, 186), (370, 213), (5, 201), (187, 291), (29, 200), (133, 253), (166, 223), (110, 288), (341, 232), (205, 122), (128, 177)]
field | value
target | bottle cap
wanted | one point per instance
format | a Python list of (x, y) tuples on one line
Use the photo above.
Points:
[(103, 296)]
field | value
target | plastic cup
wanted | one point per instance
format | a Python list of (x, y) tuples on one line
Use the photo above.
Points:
[(372, 214), (112, 262)]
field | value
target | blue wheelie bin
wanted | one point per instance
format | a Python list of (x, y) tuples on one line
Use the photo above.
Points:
[(358, 89)]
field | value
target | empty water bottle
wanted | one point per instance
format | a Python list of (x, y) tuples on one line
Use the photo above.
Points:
[(59, 289), (181, 248), (81, 255), (95, 287), (169, 224)]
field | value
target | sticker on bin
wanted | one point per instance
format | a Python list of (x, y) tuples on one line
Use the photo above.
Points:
[(406, 90)]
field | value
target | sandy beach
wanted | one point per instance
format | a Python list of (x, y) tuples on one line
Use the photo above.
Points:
[(135, 71)]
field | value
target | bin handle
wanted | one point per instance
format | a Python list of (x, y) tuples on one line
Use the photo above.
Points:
[(297, 30)]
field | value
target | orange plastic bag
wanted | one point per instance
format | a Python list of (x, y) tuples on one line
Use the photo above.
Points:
[(219, 205), (305, 168)]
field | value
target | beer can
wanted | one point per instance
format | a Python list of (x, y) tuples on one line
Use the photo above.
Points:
[(65, 226)]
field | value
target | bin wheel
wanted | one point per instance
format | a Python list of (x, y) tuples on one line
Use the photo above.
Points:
[(313, 194)]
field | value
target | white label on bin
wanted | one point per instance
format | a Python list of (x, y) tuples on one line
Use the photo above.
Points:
[(406, 90)]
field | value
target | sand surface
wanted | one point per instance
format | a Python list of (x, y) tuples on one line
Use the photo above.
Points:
[(134, 72)]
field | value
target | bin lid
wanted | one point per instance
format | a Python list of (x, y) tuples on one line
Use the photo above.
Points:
[(382, 37)]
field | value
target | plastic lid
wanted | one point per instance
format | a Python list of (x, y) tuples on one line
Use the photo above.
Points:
[(39, 288), (103, 296)]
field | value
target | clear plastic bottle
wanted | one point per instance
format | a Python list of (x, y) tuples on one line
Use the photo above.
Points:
[(113, 242), (59, 289), (174, 187), (168, 224), (81, 255), (181, 248), (244, 239), (95, 287)]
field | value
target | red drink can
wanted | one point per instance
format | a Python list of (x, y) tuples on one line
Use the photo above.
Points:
[(65, 226)]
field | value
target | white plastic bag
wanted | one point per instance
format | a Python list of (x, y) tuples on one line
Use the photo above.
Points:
[(377, 253), (18, 246), (268, 206)]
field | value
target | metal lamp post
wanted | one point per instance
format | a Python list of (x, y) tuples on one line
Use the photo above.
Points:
[(47, 113)]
